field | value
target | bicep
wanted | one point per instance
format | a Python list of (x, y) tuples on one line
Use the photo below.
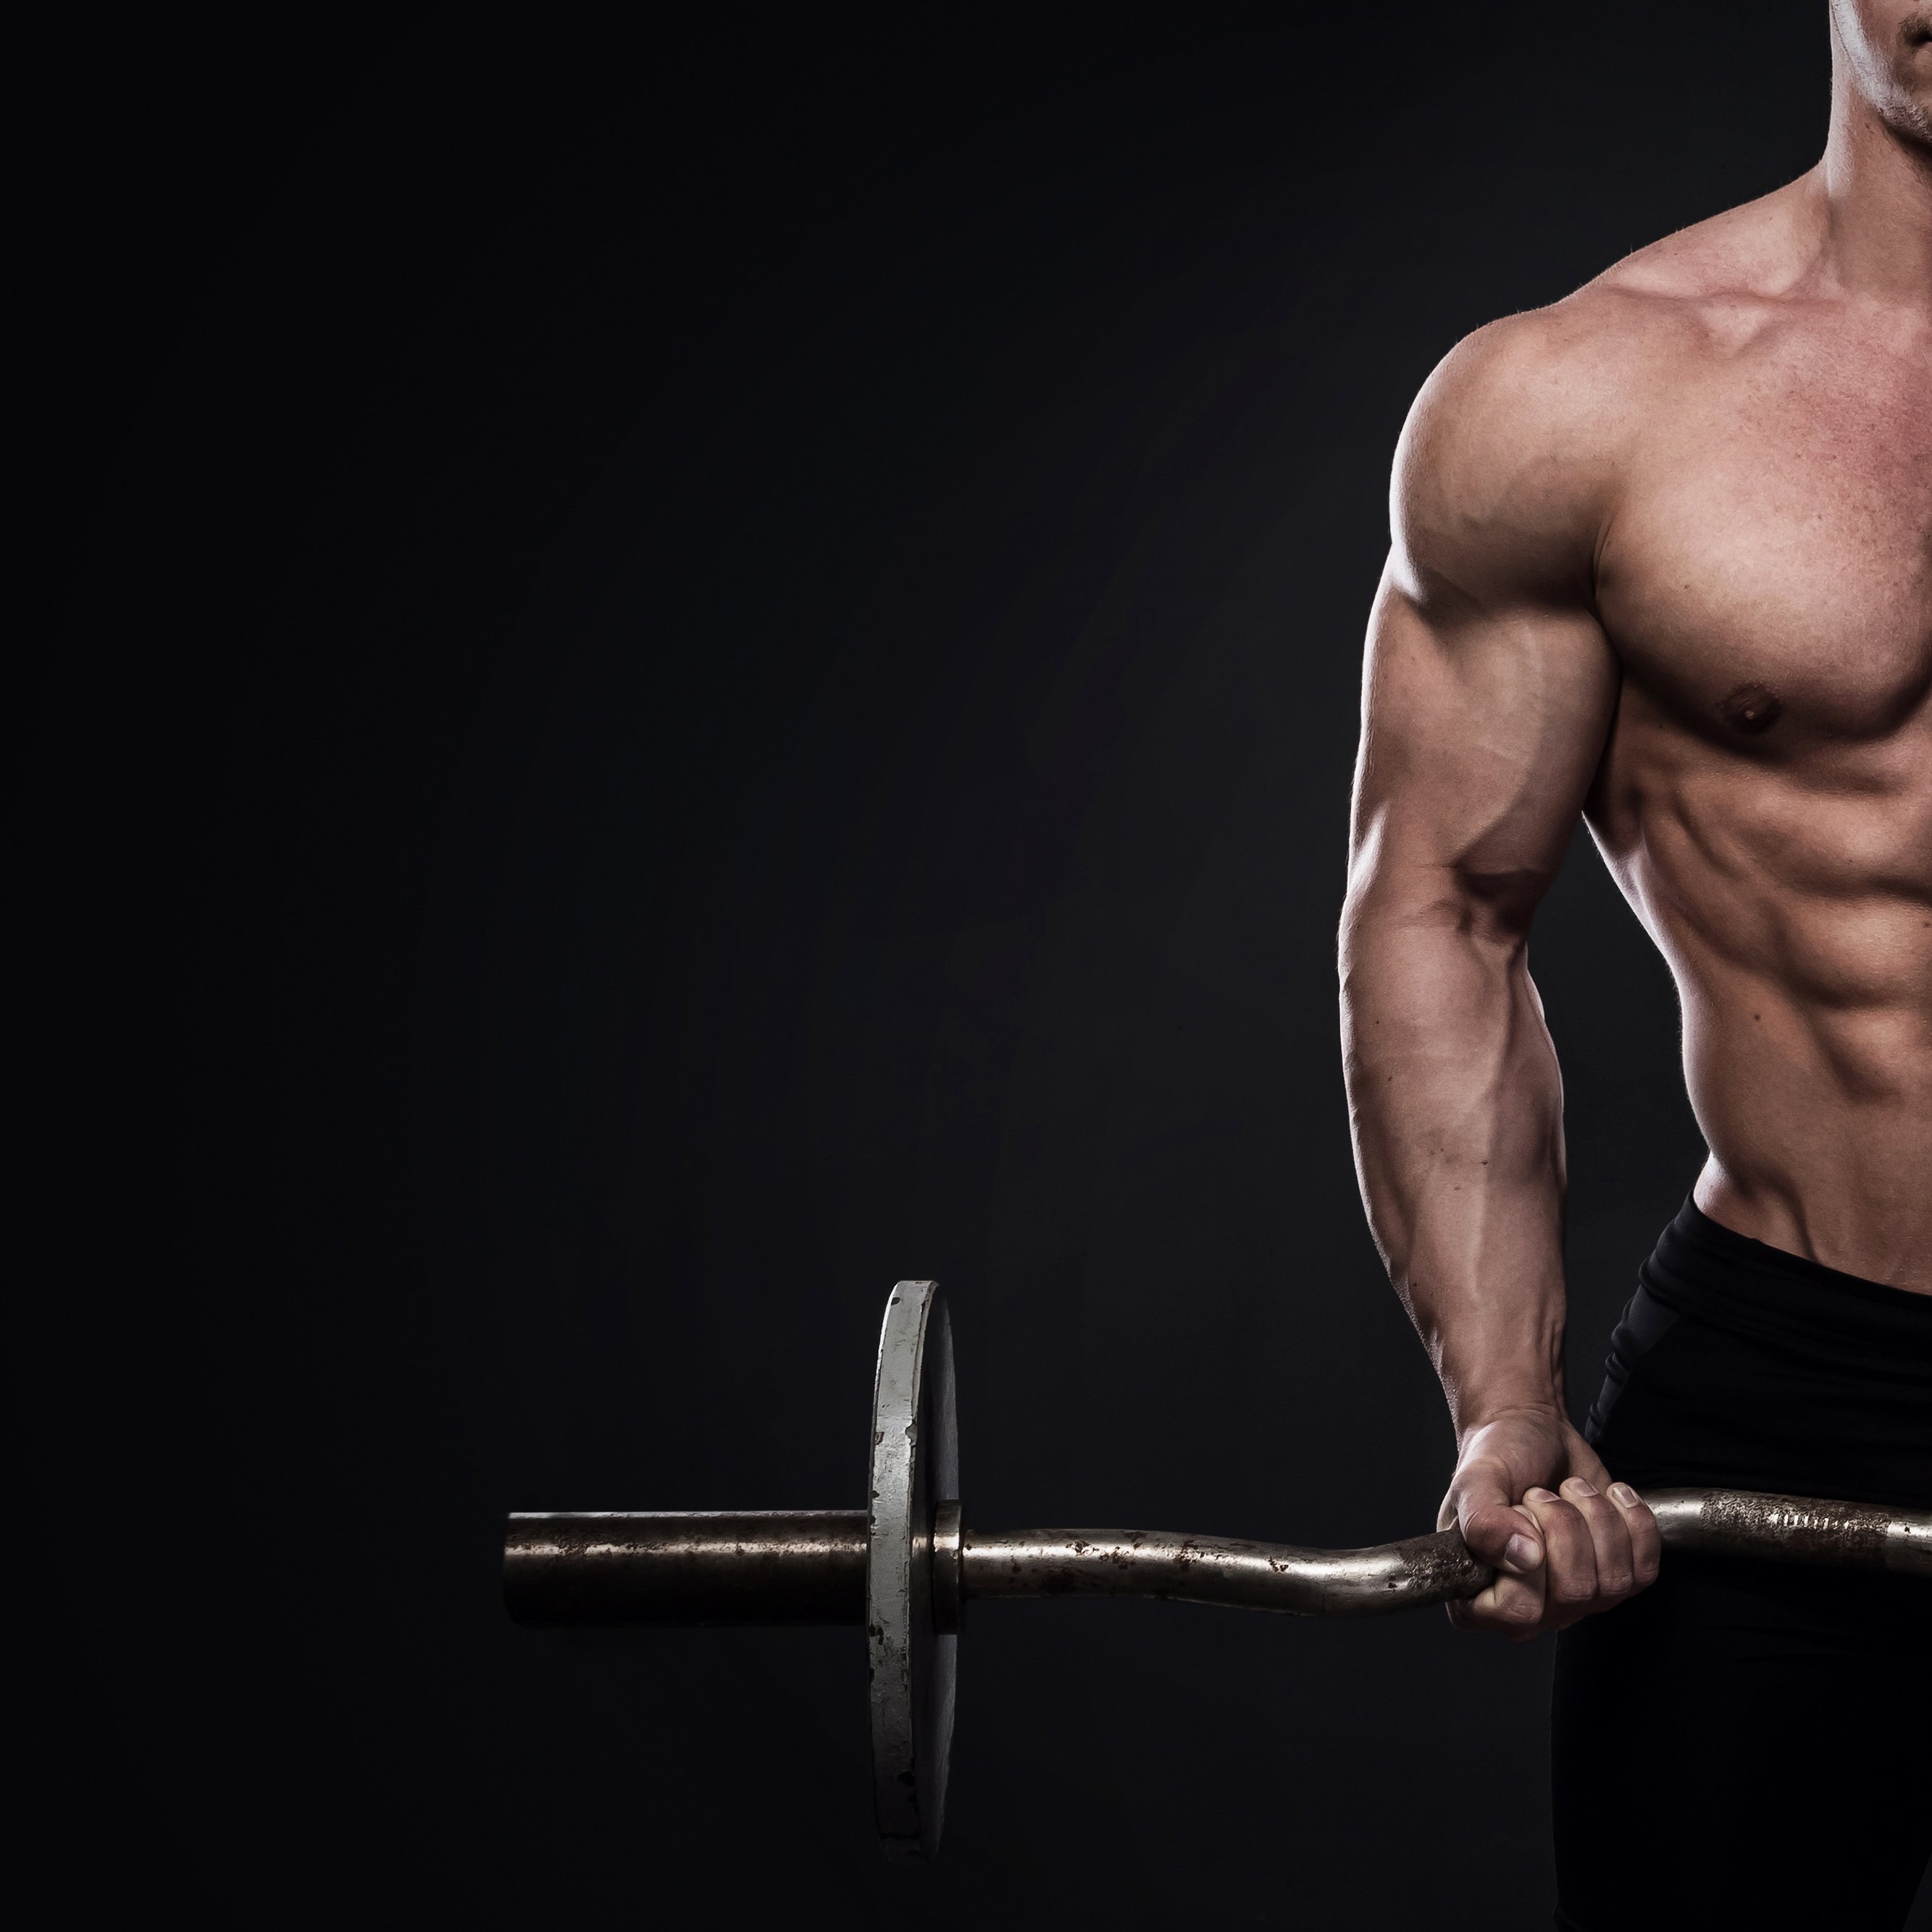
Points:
[(1490, 686), (1484, 719)]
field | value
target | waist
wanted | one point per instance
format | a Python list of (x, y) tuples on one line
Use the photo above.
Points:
[(1738, 1364), (1748, 1288), (1819, 1118)]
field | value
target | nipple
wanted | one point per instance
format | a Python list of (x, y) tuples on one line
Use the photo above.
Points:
[(1751, 708)]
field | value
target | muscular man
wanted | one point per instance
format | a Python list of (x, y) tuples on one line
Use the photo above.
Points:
[(1663, 557)]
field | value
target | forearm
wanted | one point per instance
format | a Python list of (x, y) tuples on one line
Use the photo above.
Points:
[(1456, 1103), (1489, 690)]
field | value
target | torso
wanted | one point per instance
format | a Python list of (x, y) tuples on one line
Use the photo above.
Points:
[(1764, 575)]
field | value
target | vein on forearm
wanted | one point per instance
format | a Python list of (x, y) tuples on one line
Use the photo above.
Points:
[(1456, 1102)]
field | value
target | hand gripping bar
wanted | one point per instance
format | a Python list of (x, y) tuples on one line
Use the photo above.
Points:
[(904, 1567), (808, 1566)]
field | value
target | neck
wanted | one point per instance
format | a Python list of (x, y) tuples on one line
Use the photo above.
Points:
[(1875, 191)]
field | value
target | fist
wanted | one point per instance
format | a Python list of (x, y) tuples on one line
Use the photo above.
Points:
[(1532, 1500)]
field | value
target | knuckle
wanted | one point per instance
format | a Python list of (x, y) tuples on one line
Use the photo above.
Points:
[(1614, 1555), (1565, 1519), (1568, 1551)]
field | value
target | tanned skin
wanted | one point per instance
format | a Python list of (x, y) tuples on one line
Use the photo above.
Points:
[(1663, 558)]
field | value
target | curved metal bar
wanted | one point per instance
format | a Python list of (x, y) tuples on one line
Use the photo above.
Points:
[(808, 1566), (1794, 1529), (1421, 1570), (1218, 1570)]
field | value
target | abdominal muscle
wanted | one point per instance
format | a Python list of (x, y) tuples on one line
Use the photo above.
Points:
[(1794, 904)]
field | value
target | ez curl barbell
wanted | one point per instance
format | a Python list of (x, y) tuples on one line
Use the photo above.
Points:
[(905, 1567)]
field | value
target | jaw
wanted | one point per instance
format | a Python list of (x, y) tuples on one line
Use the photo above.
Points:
[(1882, 51)]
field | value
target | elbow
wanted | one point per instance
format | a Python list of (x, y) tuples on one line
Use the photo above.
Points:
[(1496, 906), (1452, 903)]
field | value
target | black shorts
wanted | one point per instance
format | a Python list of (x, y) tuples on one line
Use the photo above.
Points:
[(1750, 1745)]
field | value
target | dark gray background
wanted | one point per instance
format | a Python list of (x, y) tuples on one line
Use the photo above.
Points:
[(683, 675)]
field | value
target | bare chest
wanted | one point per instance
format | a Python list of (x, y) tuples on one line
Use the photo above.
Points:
[(1767, 577)]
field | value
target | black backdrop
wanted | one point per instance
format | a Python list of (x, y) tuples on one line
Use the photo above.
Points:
[(679, 676)]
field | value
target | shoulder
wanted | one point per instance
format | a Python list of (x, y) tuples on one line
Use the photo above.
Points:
[(1595, 358), (1505, 465), (1514, 449)]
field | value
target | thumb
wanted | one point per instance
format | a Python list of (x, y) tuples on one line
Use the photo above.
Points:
[(1494, 1527)]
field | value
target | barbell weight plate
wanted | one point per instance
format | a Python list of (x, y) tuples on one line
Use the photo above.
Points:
[(915, 1466)]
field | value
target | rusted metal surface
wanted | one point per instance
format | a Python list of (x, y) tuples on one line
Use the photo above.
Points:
[(905, 1568), (810, 1566), (1423, 1570), (1794, 1529), (711, 1566), (1221, 1570), (914, 1467)]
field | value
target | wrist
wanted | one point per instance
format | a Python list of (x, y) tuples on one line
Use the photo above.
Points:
[(1470, 1411), (1486, 1377)]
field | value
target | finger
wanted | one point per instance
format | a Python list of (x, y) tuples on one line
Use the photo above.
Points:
[(1569, 1555), (1496, 1528), (1609, 1540), (1646, 1541), (1510, 1607), (1500, 1533)]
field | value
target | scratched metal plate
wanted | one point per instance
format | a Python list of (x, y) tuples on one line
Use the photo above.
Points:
[(915, 1465)]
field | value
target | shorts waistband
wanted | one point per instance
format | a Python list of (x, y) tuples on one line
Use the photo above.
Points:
[(1703, 1270)]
